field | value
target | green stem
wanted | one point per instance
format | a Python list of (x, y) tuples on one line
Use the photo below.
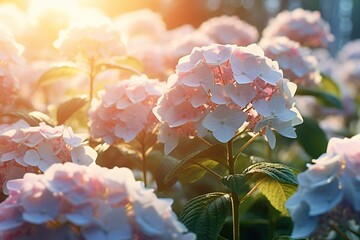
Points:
[(353, 231), (350, 229), (143, 156), (206, 142), (92, 75), (338, 231), (241, 131), (247, 144), (252, 190), (144, 153), (234, 197)]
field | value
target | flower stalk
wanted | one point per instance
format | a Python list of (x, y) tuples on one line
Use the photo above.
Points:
[(92, 75), (234, 197)]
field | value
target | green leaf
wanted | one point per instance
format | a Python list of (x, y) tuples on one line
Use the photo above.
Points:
[(312, 138), (277, 193), (66, 109), (329, 85), (130, 64), (327, 99), (234, 182), (192, 171), (57, 73), (276, 171), (205, 215), (221, 238), (167, 163), (189, 170), (32, 118)]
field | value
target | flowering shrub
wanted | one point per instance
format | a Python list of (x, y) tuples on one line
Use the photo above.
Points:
[(218, 88), (305, 27), (77, 202), (327, 195), (194, 111), (125, 109), (31, 148)]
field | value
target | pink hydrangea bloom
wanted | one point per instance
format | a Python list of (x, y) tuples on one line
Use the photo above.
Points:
[(181, 41), (10, 50), (151, 55), (10, 56), (97, 40), (328, 190), (296, 62), (349, 76), (30, 148), (229, 30), (13, 18), (350, 51), (124, 110), (143, 31), (219, 88), (305, 27), (87, 203), (9, 88)]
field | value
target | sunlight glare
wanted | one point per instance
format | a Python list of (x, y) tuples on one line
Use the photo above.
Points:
[(52, 15)]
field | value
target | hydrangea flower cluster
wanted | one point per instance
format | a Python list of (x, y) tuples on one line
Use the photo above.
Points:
[(350, 51), (13, 18), (39, 147), (328, 191), (348, 74), (10, 55), (143, 22), (297, 63), (180, 41), (305, 27), (229, 30), (219, 88), (144, 30), (70, 201), (124, 110), (91, 41)]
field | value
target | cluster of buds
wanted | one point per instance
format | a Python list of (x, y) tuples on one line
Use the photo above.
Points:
[(70, 201), (219, 88)]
